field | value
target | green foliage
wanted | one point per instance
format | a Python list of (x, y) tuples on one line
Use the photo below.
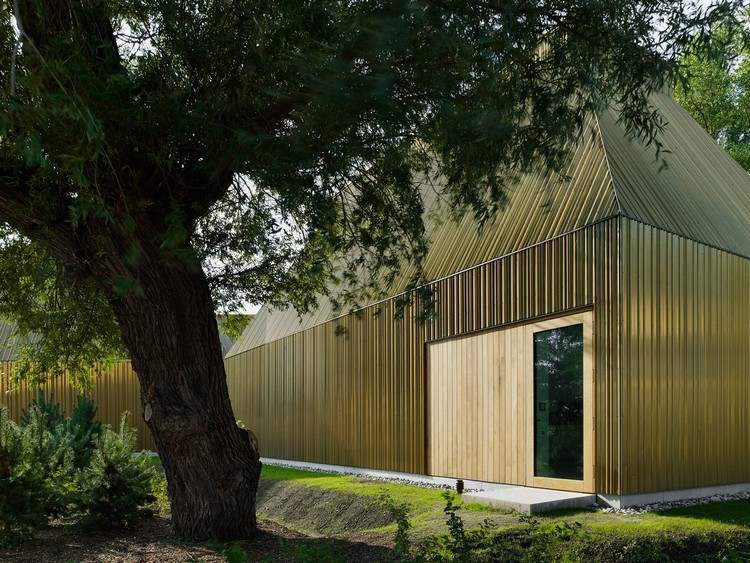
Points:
[(285, 147), (83, 430), (457, 539), (233, 324), (21, 494), (715, 90), (59, 327), (400, 512), (159, 491), (77, 433), (115, 486), (231, 553), (72, 467), (46, 457), (570, 541), (52, 412)]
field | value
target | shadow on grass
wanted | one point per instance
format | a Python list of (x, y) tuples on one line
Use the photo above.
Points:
[(734, 512), (270, 546)]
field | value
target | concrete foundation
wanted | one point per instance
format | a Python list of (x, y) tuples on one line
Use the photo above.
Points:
[(530, 500), (624, 501)]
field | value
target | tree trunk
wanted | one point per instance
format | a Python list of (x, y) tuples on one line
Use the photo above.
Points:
[(212, 466)]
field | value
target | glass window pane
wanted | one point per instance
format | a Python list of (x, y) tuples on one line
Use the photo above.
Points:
[(558, 403)]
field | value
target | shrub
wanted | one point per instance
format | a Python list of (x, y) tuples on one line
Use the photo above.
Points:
[(159, 491), (78, 433), (44, 457), (51, 411), (21, 506), (116, 485), (52, 466), (83, 430), (400, 513)]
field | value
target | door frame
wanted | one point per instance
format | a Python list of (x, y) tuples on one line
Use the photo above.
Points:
[(586, 484)]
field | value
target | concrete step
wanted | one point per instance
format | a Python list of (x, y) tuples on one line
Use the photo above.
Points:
[(530, 500)]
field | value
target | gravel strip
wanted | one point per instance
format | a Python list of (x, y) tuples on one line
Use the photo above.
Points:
[(666, 505), (366, 477)]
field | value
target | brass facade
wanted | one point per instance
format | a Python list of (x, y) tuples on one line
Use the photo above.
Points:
[(658, 249), (685, 363), (115, 391), (356, 395)]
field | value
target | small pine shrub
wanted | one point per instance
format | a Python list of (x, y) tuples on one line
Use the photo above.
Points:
[(83, 430), (45, 457), (21, 491), (117, 485), (53, 466), (51, 411)]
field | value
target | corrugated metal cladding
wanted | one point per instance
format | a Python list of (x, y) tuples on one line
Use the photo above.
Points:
[(671, 320), (115, 391), (541, 205), (685, 363), (352, 391)]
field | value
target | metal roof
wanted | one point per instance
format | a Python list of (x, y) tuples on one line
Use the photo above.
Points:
[(701, 194), (695, 190), (9, 342)]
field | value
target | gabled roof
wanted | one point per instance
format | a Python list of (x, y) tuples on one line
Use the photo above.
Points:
[(702, 194), (695, 189), (10, 342)]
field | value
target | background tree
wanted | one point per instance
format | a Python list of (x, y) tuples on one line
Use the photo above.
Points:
[(159, 159), (234, 324), (715, 90)]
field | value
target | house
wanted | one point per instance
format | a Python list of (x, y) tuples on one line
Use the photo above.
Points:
[(594, 338)]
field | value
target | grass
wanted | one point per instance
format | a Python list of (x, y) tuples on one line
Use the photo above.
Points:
[(707, 532), (716, 517), (425, 504), (427, 508), (419, 498)]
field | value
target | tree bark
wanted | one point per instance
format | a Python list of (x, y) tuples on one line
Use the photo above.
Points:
[(212, 466)]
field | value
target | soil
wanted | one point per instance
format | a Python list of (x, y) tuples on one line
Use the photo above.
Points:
[(151, 540), (318, 524), (320, 511)]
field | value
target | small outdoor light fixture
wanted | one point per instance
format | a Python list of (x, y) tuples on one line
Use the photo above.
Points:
[(460, 486)]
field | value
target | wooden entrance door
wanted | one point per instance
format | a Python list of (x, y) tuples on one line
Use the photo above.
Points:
[(482, 409)]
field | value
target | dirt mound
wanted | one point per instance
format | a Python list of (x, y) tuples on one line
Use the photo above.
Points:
[(319, 510)]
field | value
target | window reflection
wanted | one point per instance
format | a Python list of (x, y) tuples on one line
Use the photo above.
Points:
[(558, 403)]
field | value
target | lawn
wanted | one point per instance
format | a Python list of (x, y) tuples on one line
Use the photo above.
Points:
[(427, 504), (308, 516), (708, 532)]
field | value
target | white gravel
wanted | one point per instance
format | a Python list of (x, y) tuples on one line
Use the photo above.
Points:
[(657, 506), (369, 477)]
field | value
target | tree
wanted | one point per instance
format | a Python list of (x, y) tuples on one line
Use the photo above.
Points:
[(234, 324), (716, 92), (159, 159)]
